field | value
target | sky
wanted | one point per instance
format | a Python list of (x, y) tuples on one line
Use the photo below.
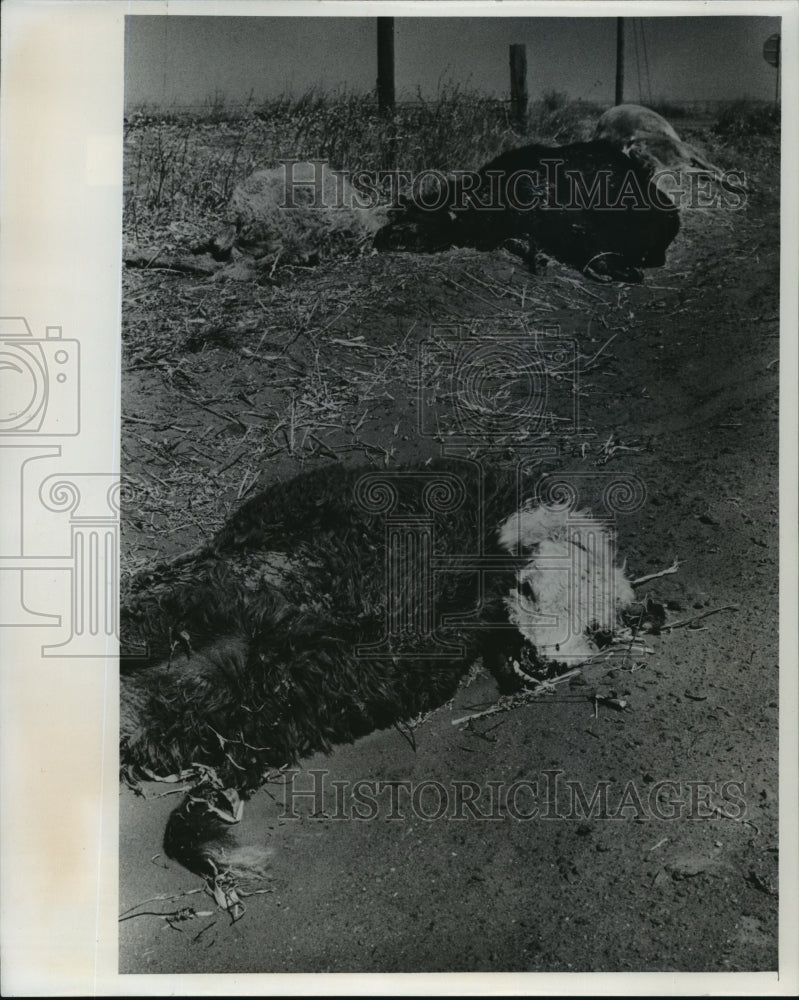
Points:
[(188, 60)]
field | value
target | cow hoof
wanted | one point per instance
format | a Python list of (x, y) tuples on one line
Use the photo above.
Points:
[(595, 275)]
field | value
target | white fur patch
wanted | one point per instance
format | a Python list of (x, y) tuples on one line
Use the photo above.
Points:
[(570, 586), (300, 208)]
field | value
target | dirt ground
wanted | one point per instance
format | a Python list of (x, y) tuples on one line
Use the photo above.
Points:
[(231, 385)]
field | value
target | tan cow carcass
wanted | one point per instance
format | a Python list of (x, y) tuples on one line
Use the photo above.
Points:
[(646, 136)]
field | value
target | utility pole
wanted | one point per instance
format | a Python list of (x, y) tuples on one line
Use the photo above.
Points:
[(385, 65), (518, 84), (619, 60)]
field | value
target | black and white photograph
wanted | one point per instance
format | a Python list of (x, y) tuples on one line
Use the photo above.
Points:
[(428, 575)]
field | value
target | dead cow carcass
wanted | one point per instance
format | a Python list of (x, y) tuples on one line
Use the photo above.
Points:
[(647, 137), (586, 204), (297, 213), (256, 661)]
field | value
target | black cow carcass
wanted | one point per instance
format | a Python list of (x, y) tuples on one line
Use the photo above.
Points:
[(340, 602), (586, 204)]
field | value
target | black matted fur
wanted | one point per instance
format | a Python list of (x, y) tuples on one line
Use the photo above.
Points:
[(250, 667)]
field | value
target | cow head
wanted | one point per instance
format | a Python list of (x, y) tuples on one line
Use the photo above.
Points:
[(421, 224)]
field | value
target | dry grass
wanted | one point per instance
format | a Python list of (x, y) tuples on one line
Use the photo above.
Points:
[(231, 385), (181, 169)]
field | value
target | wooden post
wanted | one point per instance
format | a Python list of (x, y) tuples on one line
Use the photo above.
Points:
[(385, 65), (518, 83), (771, 53), (619, 60)]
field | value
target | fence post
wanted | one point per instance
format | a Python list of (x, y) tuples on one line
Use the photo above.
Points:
[(385, 65), (619, 60), (518, 84)]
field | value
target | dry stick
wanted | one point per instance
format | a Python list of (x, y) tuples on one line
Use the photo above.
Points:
[(575, 284), (172, 791), (199, 451), (357, 427), (654, 576), (355, 342), (497, 290), (324, 447), (216, 413), (232, 462), (466, 291), (143, 420), (336, 317), (183, 914), (409, 738), (155, 256), (519, 699), (274, 262), (245, 484), (696, 618), (160, 899), (601, 349)]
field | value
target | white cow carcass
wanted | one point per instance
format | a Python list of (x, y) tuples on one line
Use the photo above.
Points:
[(647, 137)]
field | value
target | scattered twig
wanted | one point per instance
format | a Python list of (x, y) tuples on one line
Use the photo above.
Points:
[(467, 291), (355, 342), (505, 705), (172, 791), (217, 413), (160, 424), (171, 779), (696, 618), (406, 735), (163, 898), (326, 449), (654, 576), (155, 256), (591, 360), (274, 262), (332, 321), (174, 917), (180, 264), (232, 462)]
